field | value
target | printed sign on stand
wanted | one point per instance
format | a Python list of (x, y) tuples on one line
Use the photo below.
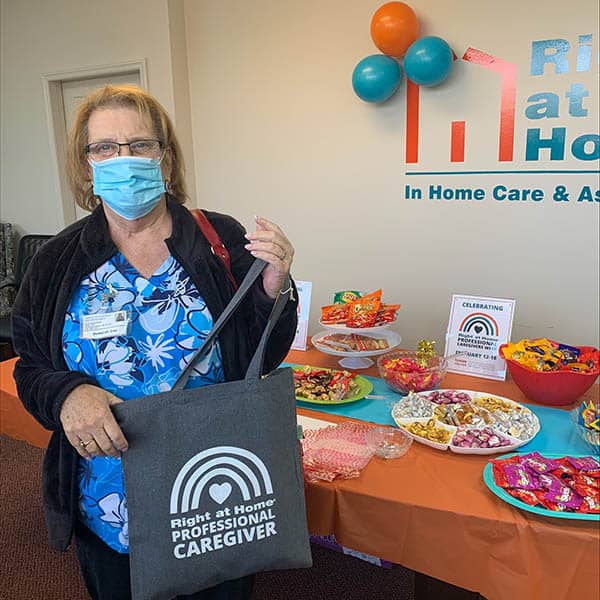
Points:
[(478, 326), (304, 292)]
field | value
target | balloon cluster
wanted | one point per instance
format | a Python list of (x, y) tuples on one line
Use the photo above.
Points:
[(427, 61)]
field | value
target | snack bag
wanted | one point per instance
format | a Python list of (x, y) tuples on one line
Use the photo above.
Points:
[(363, 312), (346, 296), (334, 314), (387, 313)]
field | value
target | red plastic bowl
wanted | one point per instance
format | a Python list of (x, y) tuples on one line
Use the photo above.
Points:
[(554, 388)]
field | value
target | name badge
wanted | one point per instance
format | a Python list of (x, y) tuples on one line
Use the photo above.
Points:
[(104, 325)]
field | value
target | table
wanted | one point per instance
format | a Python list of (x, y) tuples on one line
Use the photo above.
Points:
[(15, 421), (429, 511)]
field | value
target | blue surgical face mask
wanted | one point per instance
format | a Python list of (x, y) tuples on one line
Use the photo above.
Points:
[(130, 185)]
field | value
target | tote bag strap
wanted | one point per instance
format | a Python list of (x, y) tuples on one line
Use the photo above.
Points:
[(256, 364), (251, 276)]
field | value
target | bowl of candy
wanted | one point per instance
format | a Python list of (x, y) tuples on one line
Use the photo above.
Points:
[(586, 418), (549, 372), (388, 442), (413, 371)]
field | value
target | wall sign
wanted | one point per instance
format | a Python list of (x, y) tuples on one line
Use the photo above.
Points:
[(478, 326)]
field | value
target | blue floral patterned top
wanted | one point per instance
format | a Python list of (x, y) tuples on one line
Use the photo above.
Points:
[(168, 320)]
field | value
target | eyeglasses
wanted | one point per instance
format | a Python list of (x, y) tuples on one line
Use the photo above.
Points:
[(104, 150)]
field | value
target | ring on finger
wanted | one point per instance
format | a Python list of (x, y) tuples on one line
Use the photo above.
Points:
[(83, 444)]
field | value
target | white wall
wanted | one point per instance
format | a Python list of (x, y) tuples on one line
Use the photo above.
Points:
[(278, 131), (41, 37), (271, 126)]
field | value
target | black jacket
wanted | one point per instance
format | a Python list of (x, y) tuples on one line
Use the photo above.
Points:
[(42, 377)]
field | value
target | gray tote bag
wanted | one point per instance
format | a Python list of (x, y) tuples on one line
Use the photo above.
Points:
[(213, 476)]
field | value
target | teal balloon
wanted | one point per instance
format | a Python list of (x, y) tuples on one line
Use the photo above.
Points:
[(428, 61), (376, 78)]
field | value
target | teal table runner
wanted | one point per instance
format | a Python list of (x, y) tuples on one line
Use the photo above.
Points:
[(557, 433)]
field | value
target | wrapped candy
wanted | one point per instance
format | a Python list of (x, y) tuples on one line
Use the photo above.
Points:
[(519, 476), (519, 422), (545, 355), (585, 464), (430, 431), (536, 462), (449, 397), (413, 407), (466, 437), (405, 373), (568, 484)]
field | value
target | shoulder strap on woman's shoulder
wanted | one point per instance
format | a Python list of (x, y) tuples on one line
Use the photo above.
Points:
[(218, 249)]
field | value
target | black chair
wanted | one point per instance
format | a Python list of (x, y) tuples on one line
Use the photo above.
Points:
[(28, 246)]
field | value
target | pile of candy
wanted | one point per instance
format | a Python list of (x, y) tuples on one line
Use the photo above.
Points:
[(460, 419), (462, 414), (448, 397), (430, 431), (494, 404), (406, 371), (467, 437), (353, 310), (519, 423), (566, 484), (545, 355), (413, 406), (324, 384)]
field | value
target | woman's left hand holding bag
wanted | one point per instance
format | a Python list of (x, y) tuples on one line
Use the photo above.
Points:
[(270, 244), (89, 423)]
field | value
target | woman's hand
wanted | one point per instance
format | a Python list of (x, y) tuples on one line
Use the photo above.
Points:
[(269, 243), (89, 423)]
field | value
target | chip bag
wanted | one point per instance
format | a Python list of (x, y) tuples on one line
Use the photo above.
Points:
[(387, 313), (334, 314), (363, 312), (346, 296)]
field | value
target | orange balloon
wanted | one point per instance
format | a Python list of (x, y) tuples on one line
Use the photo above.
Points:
[(394, 27)]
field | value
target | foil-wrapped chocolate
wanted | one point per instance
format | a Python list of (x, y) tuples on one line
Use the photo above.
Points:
[(413, 406), (520, 423), (429, 431), (462, 414), (467, 437)]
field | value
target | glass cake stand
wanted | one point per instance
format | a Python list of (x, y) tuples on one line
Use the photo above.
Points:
[(355, 359)]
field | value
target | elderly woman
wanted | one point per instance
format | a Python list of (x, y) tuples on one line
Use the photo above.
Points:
[(115, 305)]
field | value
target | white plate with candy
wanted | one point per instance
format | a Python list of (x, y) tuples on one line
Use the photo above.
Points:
[(465, 421)]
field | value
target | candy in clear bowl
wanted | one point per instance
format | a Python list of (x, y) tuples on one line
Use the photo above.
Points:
[(404, 371)]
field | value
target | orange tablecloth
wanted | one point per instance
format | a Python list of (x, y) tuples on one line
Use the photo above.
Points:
[(429, 511), (15, 421)]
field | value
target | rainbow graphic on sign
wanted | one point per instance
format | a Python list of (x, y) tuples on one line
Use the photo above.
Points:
[(233, 466), (480, 324)]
